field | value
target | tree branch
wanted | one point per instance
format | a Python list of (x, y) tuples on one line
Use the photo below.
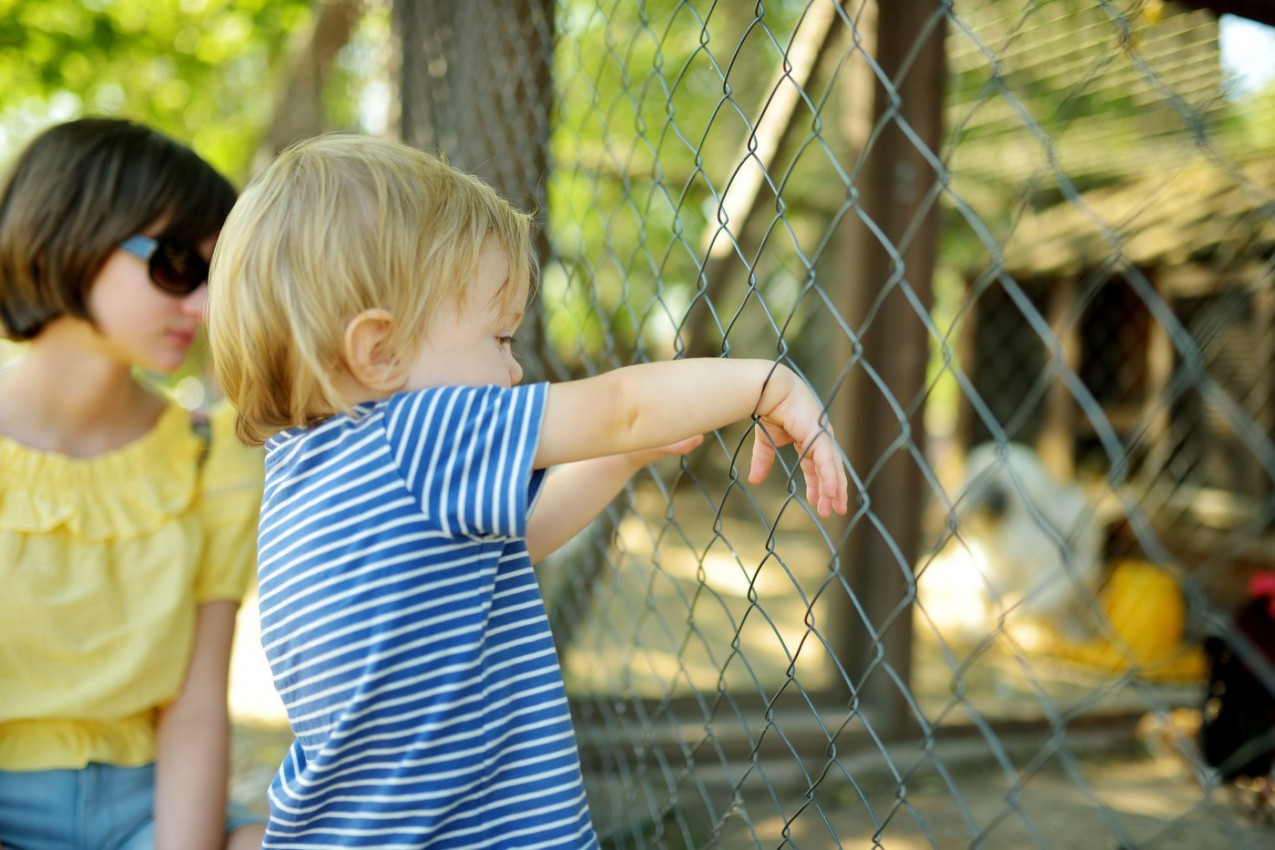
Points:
[(298, 107)]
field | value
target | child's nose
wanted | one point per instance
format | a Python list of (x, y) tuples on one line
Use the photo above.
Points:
[(515, 372)]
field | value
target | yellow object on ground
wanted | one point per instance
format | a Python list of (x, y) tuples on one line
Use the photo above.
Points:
[(1146, 614)]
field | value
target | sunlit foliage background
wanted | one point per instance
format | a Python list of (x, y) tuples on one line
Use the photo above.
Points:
[(207, 72)]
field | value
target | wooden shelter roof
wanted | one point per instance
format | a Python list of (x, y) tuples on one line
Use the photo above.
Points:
[(1220, 215)]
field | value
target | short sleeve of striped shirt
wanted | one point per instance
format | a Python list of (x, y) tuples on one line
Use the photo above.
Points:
[(466, 452)]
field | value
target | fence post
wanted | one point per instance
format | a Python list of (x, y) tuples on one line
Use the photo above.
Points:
[(1057, 442), (898, 194)]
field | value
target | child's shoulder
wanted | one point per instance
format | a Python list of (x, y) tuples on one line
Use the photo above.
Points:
[(441, 407), (436, 412), (466, 397)]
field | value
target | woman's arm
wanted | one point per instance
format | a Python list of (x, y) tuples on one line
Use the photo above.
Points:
[(574, 493), (653, 404), (193, 762)]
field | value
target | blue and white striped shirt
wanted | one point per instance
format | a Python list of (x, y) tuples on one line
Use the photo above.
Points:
[(406, 632)]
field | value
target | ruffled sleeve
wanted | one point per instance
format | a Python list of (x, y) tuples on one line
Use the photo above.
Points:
[(230, 499)]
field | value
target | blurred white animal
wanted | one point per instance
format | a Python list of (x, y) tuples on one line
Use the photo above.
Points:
[(1027, 549)]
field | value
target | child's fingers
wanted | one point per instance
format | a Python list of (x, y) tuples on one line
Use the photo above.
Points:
[(682, 447), (817, 483), (763, 457), (821, 467), (642, 457), (826, 486), (837, 489), (810, 471)]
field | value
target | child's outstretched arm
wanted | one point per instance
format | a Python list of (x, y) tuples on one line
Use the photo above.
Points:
[(655, 404)]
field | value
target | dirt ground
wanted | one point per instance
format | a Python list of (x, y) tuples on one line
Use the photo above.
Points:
[(1119, 791), (1114, 795), (1132, 799)]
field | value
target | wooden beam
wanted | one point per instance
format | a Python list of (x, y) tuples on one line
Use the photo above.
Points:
[(1056, 444), (755, 162), (1261, 401), (298, 103), (1161, 361), (1191, 280)]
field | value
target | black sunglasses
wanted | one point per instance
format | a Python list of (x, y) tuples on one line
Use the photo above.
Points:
[(175, 267)]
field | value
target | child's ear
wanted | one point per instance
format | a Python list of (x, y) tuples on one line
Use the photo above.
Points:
[(368, 354)]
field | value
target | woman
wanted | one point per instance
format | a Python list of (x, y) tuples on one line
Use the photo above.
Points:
[(126, 526)]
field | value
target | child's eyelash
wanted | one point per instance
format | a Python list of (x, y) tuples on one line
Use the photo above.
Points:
[(505, 340)]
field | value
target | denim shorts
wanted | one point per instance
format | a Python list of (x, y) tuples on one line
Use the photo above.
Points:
[(99, 807)]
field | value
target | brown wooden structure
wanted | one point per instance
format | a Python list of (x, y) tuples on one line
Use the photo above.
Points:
[(1157, 295)]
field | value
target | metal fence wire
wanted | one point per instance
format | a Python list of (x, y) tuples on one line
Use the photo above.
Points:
[(1024, 253)]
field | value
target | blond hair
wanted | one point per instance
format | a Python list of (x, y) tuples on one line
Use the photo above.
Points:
[(333, 227)]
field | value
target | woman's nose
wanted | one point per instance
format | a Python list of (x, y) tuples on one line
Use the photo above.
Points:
[(196, 303)]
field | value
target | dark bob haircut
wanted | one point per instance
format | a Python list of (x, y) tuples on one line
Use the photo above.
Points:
[(75, 193)]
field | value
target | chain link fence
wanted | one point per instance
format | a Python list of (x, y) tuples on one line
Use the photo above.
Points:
[(1023, 251)]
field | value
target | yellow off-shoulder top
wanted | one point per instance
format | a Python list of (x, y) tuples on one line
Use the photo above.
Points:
[(103, 562)]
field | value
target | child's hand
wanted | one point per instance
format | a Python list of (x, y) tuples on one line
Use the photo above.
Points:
[(644, 457), (792, 415)]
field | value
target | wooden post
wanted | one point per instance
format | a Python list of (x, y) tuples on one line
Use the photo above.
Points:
[(966, 358), (773, 125), (1262, 401), (1161, 361), (889, 268), (1057, 444)]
